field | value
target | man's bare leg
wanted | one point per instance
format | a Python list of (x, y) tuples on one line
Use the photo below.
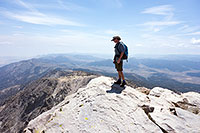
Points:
[(122, 75), (123, 82), (119, 74), (119, 80)]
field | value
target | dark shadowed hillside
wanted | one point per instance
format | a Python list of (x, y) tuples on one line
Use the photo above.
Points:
[(38, 97), (14, 76)]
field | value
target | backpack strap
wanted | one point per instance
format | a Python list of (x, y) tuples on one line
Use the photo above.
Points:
[(120, 43), (120, 52), (116, 47)]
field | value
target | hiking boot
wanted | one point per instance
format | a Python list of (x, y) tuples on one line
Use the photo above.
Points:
[(118, 82), (123, 84)]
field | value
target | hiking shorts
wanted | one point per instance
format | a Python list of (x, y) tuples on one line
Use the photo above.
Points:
[(119, 66)]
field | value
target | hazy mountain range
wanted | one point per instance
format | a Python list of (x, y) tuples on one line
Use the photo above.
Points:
[(179, 74)]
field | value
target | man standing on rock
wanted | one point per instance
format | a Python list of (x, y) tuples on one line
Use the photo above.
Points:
[(120, 49)]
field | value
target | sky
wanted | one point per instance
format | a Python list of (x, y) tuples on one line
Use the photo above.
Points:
[(40, 27)]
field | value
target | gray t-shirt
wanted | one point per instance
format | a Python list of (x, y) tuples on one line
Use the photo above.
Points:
[(119, 48)]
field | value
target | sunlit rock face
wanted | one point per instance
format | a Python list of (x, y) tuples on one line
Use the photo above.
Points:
[(103, 107)]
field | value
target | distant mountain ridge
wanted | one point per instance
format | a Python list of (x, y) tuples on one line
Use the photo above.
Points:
[(178, 75), (20, 73)]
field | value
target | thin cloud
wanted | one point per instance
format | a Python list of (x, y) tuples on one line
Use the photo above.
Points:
[(21, 3), (165, 41), (58, 4), (69, 6), (112, 32), (39, 18), (190, 29), (18, 26), (193, 33), (27, 6), (68, 42), (33, 16), (5, 43), (166, 11), (159, 10), (161, 23), (195, 41), (139, 45)]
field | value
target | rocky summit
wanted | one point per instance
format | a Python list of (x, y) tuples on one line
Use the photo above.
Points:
[(101, 107)]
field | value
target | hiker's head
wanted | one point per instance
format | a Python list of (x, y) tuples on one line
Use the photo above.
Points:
[(116, 39)]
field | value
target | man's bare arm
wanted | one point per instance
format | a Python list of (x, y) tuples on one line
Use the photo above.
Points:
[(121, 55)]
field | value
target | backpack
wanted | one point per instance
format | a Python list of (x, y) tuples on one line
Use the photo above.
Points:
[(125, 56)]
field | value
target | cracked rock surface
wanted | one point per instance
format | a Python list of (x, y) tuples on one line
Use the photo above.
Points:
[(95, 109)]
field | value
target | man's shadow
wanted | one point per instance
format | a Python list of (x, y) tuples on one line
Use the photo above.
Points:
[(115, 88)]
